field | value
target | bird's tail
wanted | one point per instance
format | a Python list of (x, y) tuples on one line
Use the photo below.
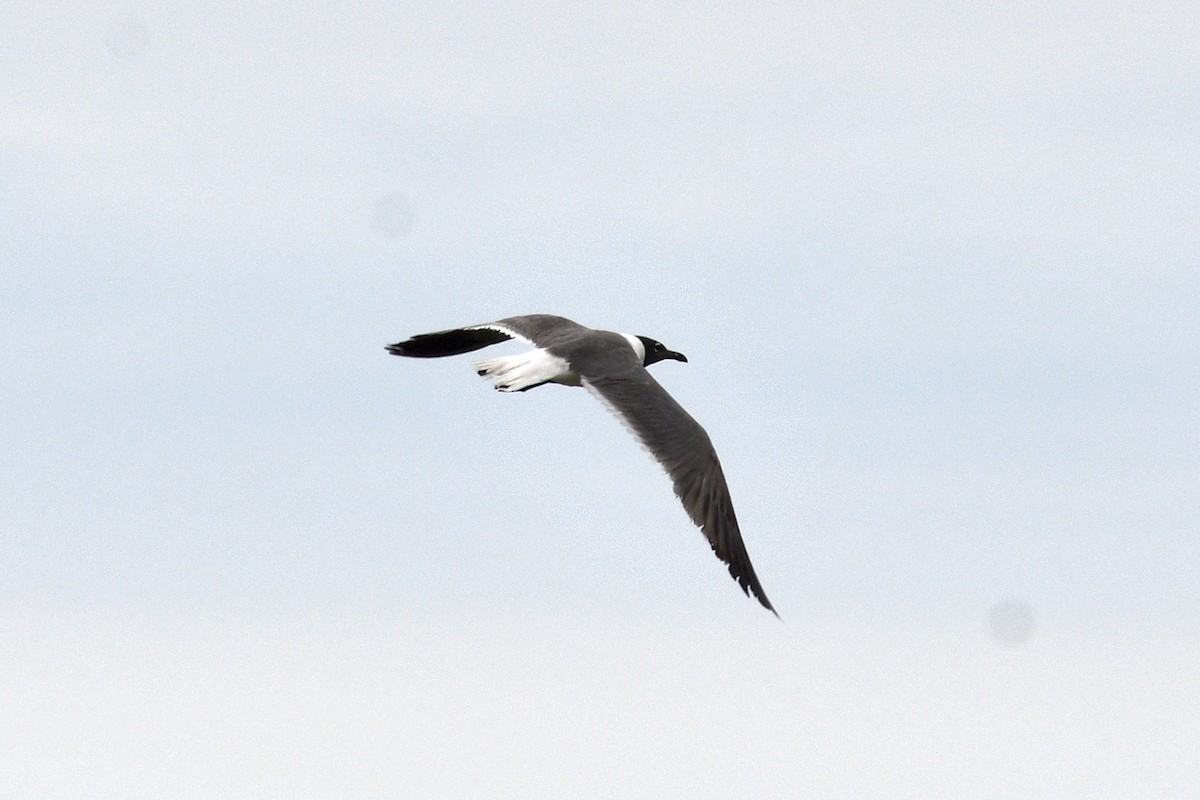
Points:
[(524, 370)]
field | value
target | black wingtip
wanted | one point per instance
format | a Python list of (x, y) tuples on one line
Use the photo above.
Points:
[(747, 581), (447, 343), (761, 597)]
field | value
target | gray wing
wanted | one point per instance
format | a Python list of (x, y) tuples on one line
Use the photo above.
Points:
[(541, 330), (684, 450)]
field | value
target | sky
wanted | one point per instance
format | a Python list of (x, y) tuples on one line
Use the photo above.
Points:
[(936, 269)]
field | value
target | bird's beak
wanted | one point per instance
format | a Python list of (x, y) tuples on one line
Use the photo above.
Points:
[(676, 356)]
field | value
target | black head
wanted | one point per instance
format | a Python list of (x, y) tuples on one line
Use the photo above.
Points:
[(656, 351)]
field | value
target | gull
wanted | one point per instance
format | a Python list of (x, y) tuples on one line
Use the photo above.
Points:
[(612, 366)]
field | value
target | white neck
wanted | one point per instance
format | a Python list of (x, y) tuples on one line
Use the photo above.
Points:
[(637, 346)]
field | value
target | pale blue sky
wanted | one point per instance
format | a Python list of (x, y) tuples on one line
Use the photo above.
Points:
[(936, 270)]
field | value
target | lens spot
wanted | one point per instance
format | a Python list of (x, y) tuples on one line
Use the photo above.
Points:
[(126, 38), (1010, 623), (393, 216)]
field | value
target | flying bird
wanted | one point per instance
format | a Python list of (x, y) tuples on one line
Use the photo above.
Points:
[(612, 366)]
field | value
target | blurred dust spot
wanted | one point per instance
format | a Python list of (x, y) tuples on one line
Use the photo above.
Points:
[(126, 38), (393, 216), (1010, 622)]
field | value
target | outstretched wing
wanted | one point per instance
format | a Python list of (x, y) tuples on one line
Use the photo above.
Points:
[(684, 450), (541, 330)]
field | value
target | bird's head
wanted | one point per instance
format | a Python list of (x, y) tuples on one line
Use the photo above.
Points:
[(656, 351)]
